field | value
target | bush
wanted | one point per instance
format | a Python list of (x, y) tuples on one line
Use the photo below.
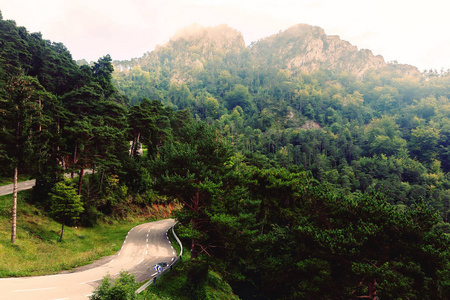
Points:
[(121, 289)]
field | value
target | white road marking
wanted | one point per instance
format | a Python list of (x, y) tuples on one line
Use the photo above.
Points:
[(90, 281), (140, 261), (32, 290)]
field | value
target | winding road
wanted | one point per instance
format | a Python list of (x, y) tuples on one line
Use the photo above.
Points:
[(144, 246)]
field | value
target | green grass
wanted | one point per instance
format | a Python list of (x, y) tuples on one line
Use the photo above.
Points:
[(37, 250)]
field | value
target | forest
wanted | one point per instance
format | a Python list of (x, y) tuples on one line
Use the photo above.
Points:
[(329, 183)]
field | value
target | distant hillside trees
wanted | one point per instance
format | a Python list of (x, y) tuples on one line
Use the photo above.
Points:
[(326, 120)]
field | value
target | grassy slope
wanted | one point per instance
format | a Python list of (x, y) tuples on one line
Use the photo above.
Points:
[(175, 286), (37, 250)]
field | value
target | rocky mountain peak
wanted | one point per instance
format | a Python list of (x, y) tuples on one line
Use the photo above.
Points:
[(306, 48)]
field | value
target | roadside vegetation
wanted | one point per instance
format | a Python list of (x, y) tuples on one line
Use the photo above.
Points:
[(177, 284), (38, 250)]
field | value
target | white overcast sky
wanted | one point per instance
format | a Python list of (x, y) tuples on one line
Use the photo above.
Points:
[(415, 32)]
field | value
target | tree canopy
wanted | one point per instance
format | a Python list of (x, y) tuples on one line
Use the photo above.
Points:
[(326, 184)]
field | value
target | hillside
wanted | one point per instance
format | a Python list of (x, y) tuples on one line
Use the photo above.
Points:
[(306, 99)]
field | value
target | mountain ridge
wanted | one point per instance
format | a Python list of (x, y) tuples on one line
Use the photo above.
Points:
[(299, 48)]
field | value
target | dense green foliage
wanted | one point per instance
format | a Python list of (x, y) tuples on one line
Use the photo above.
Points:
[(324, 184), (66, 205), (57, 117), (123, 288), (382, 130), (291, 237), (192, 171)]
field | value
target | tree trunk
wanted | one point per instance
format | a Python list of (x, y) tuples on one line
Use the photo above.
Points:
[(74, 159), (132, 147), (80, 181), (194, 252), (101, 180), (196, 206), (134, 144), (372, 289), (62, 231), (14, 208)]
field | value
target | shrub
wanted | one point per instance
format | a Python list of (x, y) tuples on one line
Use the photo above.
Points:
[(121, 289)]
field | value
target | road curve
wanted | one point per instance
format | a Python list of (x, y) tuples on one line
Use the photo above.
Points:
[(144, 246)]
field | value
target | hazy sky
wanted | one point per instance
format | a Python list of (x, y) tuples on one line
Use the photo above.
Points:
[(415, 32)]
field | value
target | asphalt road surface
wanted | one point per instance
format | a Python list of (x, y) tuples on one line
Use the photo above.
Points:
[(24, 185), (144, 246)]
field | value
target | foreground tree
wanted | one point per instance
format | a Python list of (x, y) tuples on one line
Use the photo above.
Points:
[(66, 205), (191, 171), (23, 129)]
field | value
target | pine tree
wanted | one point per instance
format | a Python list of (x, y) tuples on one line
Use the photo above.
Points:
[(66, 205), (23, 136), (191, 171)]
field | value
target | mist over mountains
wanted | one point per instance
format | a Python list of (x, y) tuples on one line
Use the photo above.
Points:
[(300, 48)]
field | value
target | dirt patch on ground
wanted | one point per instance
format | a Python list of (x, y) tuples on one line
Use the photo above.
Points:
[(95, 264)]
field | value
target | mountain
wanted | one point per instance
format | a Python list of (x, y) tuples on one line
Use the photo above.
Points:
[(189, 52), (305, 48), (299, 49)]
